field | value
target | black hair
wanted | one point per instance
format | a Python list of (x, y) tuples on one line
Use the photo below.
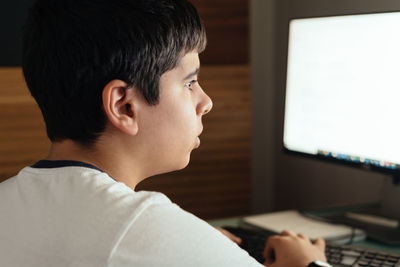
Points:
[(73, 48)]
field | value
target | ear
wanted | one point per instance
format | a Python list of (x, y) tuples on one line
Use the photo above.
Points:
[(118, 104)]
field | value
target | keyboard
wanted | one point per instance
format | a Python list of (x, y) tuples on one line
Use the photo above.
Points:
[(253, 241)]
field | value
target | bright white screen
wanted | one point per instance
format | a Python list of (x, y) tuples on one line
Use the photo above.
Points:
[(343, 86)]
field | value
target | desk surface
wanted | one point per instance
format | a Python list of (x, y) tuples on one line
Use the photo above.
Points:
[(368, 244)]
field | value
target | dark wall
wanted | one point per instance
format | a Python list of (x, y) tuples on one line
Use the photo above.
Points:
[(306, 182), (299, 182), (226, 22), (12, 15)]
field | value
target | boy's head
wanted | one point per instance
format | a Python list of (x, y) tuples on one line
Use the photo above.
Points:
[(73, 48)]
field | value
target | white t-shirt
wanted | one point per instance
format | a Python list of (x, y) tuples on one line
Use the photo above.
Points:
[(64, 213)]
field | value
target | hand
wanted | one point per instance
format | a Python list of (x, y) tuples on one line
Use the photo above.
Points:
[(231, 236), (289, 249)]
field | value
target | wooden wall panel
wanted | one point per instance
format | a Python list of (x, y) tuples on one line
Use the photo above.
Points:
[(22, 132), (227, 26), (215, 184)]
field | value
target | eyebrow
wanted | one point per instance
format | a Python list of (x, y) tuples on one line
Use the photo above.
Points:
[(194, 73)]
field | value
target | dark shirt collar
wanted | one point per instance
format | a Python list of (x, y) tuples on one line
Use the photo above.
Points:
[(49, 164)]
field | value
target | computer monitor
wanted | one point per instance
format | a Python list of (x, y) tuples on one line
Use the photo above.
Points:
[(342, 100)]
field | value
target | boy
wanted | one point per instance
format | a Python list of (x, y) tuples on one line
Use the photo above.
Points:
[(116, 82)]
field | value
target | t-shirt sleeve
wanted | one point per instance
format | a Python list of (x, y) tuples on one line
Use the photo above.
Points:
[(165, 235)]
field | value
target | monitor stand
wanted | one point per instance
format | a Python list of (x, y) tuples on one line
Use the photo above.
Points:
[(380, 221), (386, 217), (391, 198)]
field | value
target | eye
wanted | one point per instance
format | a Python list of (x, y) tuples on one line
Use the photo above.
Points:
[(189, 85)]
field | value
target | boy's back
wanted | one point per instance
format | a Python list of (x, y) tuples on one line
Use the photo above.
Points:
[(65, 213)]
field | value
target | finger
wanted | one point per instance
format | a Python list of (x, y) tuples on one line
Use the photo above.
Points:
[(269, 254), (288, 233), (320, 243), (231, 236), (234, 238), (303, 236)]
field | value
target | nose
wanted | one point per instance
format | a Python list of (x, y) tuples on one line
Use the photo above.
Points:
[(205, 104)]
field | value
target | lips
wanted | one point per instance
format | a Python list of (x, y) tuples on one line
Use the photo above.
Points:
[(197, 142)]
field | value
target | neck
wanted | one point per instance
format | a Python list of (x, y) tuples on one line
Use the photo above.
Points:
[(112, 161)]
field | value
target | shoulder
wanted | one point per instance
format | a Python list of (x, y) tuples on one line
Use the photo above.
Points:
[(77, 194), (166, 235)]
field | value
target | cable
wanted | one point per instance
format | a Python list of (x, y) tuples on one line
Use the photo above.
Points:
[(322, 219), (352, 236)]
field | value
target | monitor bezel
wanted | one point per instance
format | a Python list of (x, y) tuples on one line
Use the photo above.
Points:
[(360, 165)]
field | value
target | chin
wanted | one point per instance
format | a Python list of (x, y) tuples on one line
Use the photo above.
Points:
[(175, 166), (184, 164)]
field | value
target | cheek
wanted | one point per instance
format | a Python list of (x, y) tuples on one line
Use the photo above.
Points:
[(181, 123), (173, 123), (170, 122), (170, 135)]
